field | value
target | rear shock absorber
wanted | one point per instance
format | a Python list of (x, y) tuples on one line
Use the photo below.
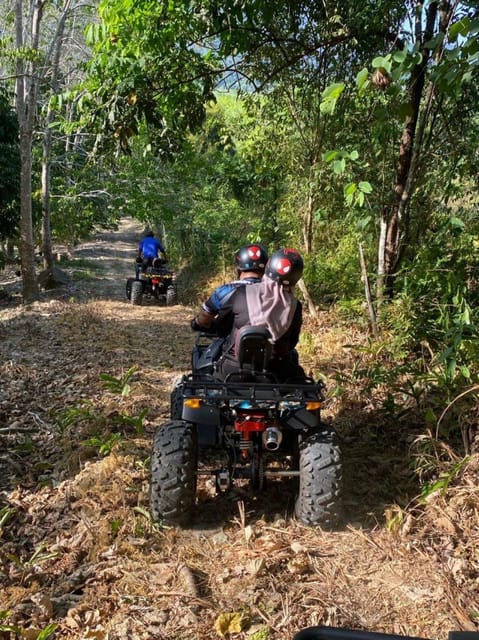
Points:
[(245, 444)]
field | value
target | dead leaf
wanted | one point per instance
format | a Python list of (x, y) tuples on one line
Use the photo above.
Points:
[(228, 623)]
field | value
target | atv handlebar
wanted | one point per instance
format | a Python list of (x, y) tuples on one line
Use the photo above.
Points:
[(332, 633)]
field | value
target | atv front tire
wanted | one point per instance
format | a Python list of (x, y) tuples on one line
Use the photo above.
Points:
[(174, 463), (136, 292), (319, 500), (171, 296), (129, 282)]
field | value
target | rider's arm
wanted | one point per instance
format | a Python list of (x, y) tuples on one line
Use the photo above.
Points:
[(203, 320), (213, 306)]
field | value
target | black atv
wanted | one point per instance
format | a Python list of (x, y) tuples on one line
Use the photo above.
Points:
[(156, 282), (262, 428)]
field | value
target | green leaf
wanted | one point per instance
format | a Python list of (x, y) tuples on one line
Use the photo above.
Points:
[(329, 156), (47, 632), (465, 372), (400, 56), (451, 368), (327, 106), (361, 78), (459, 28), (350, 188), (457, 223), (382, 62), (365, 187), (333, 91)]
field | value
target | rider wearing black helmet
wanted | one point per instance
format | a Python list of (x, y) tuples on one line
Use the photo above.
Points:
[(251, 257), (149, 249), (250, 263), (270, 303), (285, 267)]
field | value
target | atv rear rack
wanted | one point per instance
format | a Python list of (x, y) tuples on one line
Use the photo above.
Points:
[(226, 391)]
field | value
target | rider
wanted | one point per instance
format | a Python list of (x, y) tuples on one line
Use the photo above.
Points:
[(148, 249), (250, 262), (269, 303)]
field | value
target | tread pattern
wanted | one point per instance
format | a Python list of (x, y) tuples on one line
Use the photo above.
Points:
[(174, 462), (136, 292), (319, 502)]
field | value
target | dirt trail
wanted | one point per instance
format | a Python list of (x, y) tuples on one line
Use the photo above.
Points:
[(78, 548)]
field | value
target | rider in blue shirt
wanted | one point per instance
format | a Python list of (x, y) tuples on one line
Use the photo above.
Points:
[(149, 249)]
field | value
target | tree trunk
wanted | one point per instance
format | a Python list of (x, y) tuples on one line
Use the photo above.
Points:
[(308, 223), (25, 103), (27, 243), (367, 292), (48, 261), (307, 298), (47, 148), (381, 252), (396, 226)]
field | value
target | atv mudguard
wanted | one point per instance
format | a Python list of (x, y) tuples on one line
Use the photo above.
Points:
[(205, 414), (300, 419)]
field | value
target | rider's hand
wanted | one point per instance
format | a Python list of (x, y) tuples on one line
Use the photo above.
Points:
[(195, 326)]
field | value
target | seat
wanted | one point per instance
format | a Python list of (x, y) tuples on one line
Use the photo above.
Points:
[(253, 348)]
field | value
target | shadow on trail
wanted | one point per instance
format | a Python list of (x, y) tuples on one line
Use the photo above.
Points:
[(377, 474), (378, 466)]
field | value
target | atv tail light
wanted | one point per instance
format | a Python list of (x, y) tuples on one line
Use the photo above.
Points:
[(311, 406), (193, 403)]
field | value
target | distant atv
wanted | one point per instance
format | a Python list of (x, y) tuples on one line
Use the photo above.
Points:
[(262, 430), (157, 283)]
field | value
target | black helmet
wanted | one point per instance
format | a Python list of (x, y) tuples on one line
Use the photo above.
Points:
[(251, 257), (149, 232), (285, 267)]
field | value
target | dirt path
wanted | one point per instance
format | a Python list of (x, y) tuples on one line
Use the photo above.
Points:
[(78, 548)]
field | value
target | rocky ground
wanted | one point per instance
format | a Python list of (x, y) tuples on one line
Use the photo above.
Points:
[(80, 556)]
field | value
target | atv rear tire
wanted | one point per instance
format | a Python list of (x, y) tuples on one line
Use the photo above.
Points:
[(174, 463), (171, 296), (129, 282), (319, 501), (136, 292)]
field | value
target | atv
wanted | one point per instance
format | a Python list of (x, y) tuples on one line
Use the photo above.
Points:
[(156, 282), (261, 429)]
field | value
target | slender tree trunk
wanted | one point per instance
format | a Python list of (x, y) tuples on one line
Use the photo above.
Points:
[(404, 176), (308, 223), (25, 103), (367, 292), (47, 147), (307, 298), (381, 252), (48, 261), (308, 245)]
